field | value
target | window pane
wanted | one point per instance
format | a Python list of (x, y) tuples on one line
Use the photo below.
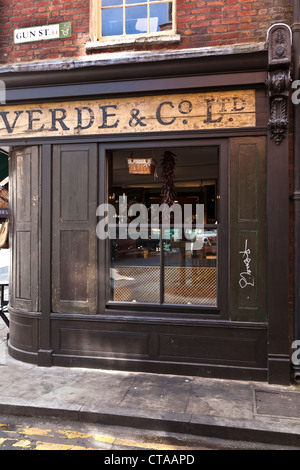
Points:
[(131, 2), (136, 20), (111, 3), (135, 271), (190, 272), (112, 22), (173, 269), (160, 14)]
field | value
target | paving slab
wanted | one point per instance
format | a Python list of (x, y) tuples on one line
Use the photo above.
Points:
[(225, 409)]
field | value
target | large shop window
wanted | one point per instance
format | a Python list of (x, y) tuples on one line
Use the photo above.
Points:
[(135, 17), (166, 265)]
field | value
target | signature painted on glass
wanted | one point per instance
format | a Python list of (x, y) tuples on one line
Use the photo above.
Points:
[(246, 278)]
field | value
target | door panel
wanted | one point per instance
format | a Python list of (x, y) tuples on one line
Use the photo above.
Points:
[(25, 190), (74, 241), (248, 229)]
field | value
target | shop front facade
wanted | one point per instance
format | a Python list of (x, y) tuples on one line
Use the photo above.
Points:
[(176, 115), (156, 303)]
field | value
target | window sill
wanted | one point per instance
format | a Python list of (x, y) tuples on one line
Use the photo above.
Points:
[(132, 41)]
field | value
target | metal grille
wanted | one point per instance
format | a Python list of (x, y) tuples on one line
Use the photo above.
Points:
[(136, 284), (191, 285), (182, 285)]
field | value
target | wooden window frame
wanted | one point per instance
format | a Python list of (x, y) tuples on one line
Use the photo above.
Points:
[(219, 311), (95, 25)]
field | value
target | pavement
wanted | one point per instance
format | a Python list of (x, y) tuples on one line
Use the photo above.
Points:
[(254, 412)]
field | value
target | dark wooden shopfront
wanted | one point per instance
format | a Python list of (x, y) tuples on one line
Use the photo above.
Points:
[(62, 308)]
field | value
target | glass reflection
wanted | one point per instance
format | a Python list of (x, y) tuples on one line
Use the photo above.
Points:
[(136, 19), (190, 269), (160, 15), (112, 22), (141, 16), (184, 273), (111, 3), (135, 270), (131, 2)]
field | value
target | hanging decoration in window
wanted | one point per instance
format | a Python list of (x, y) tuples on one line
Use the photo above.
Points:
[(168, 168), (142, 166)]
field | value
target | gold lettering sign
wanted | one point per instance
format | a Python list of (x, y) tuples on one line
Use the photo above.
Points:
[(190, 112)]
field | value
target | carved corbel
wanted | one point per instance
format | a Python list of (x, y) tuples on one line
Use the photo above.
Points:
[(279, 84), (279, 80)]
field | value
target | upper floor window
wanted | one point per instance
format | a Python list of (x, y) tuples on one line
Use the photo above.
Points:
[(135, 17)]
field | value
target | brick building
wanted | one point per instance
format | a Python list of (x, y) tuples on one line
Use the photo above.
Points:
[(198, 23), (94, 85)]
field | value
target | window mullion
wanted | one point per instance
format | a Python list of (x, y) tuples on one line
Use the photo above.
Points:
[(162, 269)]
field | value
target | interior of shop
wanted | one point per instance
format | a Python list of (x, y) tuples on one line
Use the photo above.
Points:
[(166, 267)]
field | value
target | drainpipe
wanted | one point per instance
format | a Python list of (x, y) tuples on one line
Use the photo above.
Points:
[(296, 193)]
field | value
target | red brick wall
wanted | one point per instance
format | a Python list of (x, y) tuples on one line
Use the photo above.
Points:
[(225, 22), (199, 22), (16, 14)]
